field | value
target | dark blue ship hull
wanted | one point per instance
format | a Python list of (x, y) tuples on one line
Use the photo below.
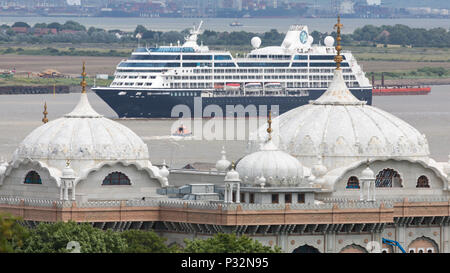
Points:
[(138, 103)]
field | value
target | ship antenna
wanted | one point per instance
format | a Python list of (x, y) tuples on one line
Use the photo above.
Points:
[(338, 58), (83, 81)]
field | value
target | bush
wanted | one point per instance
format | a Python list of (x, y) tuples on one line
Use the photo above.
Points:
[(227, 243)]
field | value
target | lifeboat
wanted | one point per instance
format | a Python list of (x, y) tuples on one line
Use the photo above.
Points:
[(182, 131), (233, 86)]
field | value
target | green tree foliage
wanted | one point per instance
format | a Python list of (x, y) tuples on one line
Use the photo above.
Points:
[(227, 243), (54, 237), (20, 24), (12, 234), (140, 29), (72, 25), (140, 241)]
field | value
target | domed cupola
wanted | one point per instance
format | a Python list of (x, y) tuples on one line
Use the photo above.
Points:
[(343, 130), (277, 167), (84, 137)]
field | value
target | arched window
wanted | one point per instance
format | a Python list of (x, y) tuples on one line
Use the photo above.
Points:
[(353, 183), (32, 178), (116, 178), (306, 249), (388, 178), (422, 182)]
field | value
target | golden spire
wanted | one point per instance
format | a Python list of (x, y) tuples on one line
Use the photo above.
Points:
[(269, 129), (45, 119), (233, 165), (83, 82), (338, 58)]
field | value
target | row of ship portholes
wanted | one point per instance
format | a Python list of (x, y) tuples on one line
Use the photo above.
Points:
[(388, 178), (114, 178), (419, 245)]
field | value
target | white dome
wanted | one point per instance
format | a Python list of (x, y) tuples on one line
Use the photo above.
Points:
[(232, 176), (278, 167), (256, 42), (223, 164), (85, 138), (343, 130), (329, 41), (367, 174)]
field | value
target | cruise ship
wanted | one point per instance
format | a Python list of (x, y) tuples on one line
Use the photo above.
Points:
[(153, 81)]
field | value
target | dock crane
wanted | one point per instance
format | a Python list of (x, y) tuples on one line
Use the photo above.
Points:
[(393, 243)]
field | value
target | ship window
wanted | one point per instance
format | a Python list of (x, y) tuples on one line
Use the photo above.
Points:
[(155, 57), (149, 65), (222, 57), (323, 57), (301, 57), (197, 57), (299, 64), (32, 177), (116, 178), (422, 182), (224, 65), (327, 64), (263, 64)]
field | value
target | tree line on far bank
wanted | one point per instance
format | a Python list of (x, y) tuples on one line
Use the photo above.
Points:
[(64, 237), (74, 32)]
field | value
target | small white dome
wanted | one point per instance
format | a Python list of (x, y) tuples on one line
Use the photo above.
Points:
[(329, 41), (319, 169), (344, 130), (68, 172), (232, 176), (85, 138), (256, 42), (276, 166), (164, 172), (367, 174), (310, 39), (223, 164)]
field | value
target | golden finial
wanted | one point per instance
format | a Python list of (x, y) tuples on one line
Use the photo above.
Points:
[(83, 82), (233, 165), (68, 163), (45, 119), (269, 129), (338, 58)]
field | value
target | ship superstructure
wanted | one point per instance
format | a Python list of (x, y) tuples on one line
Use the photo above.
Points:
[(295, 72)]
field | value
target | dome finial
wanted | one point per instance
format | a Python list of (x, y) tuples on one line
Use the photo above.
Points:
[(269, 129), (83, 82), (45, 119), (338, 58)]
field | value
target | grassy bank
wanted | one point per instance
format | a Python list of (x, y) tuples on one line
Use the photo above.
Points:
[(24, 81), (421, 73)]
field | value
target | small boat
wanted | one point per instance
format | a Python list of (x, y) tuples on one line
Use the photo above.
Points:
[(236, 24), (182, 131)]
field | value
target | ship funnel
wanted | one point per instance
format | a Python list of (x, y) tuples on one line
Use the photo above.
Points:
[(297, 38)]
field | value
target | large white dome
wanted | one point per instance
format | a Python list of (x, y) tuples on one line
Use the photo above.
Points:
[(278, 167), (343, 129), (85, 138)]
